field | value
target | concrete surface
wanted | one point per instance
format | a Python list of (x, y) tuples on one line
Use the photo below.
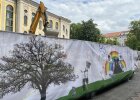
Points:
[(126, 91)]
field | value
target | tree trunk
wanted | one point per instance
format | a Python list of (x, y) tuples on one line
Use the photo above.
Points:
[(43, 94)]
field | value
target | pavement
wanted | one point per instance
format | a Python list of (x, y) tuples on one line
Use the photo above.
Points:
[(129, 90)]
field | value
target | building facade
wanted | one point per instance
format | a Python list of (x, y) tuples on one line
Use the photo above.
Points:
[(17, 16), (120, 36)]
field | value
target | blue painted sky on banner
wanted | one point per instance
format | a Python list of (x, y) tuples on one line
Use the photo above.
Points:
[(110, 15)]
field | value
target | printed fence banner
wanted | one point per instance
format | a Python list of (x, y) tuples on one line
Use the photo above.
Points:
[(92, 62)]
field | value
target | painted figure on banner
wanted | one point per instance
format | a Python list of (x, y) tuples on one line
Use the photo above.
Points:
[(85, 74), (115, 64), (111, 64)]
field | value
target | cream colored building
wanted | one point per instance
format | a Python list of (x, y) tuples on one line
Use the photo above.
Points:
[(17, 16)]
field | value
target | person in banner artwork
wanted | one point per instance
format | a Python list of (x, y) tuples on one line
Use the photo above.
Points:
[(111, 64), (115, 64), (121, 61), (85, 73), (117, 68)]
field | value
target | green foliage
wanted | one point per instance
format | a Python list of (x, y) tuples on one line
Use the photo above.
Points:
[(115, 42), (101, 39), (135, 28), (75, 30), (98, 85), (133, 38), (112, 41), (109, 41), (131, 41), (87, 30)]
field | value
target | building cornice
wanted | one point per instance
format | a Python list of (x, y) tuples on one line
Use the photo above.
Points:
[(33, 3), (51, 14), (65, 19), (59, 17), (11, 1)]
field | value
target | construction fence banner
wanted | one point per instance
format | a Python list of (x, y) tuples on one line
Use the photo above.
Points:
[(92, 62)]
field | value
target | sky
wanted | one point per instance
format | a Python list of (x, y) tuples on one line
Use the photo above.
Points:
[(109, 15)]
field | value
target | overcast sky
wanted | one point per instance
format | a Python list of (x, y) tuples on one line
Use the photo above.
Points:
[(110, 15)]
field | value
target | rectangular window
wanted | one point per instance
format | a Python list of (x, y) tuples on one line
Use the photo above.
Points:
[(51, 24), (56, 25), (40, 24), (25, 20), (33, 15)]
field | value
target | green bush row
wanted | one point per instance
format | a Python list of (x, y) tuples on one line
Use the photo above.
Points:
[(98, 86)]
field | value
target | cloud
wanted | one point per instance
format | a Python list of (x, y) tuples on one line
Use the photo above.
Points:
[(110, 15)]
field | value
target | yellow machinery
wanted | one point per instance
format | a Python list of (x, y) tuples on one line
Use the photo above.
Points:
[(41, 13)]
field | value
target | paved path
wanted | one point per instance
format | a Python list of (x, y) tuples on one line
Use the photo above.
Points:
[(127, 91)]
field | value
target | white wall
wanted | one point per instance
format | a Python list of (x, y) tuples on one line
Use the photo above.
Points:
[(78, 53)]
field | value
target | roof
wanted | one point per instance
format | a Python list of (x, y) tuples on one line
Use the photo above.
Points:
[(115, 34)]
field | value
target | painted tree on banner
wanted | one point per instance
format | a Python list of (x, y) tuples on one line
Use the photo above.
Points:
[(37, 63)]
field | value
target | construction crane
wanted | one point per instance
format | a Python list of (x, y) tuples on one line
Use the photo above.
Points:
[(41, 13)]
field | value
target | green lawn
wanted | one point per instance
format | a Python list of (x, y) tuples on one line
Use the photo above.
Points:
[(98, 85)]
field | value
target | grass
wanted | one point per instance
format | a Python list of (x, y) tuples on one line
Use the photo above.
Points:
[(98, 86)]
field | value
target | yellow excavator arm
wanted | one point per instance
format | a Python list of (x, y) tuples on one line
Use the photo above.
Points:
[(41, 13)]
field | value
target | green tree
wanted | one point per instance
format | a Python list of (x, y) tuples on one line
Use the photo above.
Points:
[(135, 28), (87, 30), (133, 38), (131, 41), (75, 30)]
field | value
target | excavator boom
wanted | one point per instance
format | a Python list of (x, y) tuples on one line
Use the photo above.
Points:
[(41, 13)]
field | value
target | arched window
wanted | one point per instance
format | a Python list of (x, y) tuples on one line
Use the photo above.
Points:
[(51, 24), (9, 18), (63, 28), (33, 15), (56, 25), (25, 17)]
